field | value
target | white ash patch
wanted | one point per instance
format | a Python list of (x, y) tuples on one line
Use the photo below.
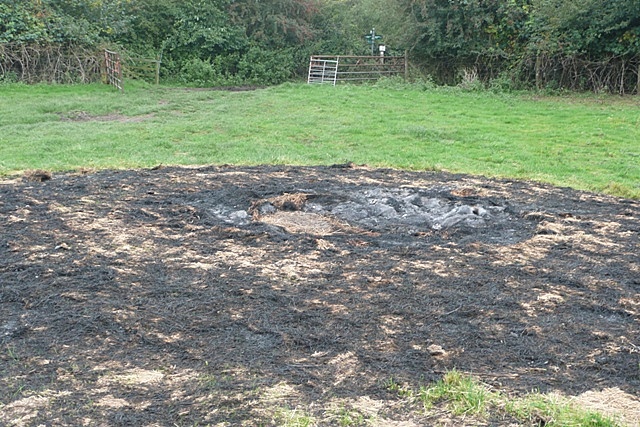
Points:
[(230, 215), (377, 207)]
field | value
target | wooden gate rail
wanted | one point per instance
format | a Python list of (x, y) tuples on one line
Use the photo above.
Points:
[(141, 68)]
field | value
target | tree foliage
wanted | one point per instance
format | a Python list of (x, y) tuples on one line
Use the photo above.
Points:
[(582, 44), (588, 27), (36, 21), (276, 23)]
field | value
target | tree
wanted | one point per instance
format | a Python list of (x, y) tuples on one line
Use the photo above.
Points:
[(586, 44), (43, 21), (454, 34), (276, 23), (589, 27), (19, 22)]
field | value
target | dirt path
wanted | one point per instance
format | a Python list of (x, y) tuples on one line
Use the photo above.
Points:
[(229, 295)]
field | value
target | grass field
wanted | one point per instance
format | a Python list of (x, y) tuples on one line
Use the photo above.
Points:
[(585, 142)]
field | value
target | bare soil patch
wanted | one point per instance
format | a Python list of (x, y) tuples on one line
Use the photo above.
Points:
[(245, 88), (255, 295), (83, 116)]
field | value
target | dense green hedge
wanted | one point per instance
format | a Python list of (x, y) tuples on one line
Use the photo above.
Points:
[(582, 44), (579, 44)]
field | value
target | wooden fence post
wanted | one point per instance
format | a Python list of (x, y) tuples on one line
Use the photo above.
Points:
[(159, 61), (406, 64)]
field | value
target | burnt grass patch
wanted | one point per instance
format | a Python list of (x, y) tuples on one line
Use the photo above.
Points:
[(238, 295)]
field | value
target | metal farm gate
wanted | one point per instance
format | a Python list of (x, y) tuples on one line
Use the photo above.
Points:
[(113, 68), (322, 70), (348, 68)]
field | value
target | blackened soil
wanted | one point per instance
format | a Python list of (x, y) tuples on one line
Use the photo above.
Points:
[(243, 295)]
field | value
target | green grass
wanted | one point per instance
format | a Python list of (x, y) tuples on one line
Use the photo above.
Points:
[(585, 142), (554, 410), (462, 395), (350, 418), (293, 418)]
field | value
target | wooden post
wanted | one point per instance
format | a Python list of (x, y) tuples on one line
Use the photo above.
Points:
[(638, 83), (120, 73), (622, 68), (158, 62), (406, 64), (538, 71)]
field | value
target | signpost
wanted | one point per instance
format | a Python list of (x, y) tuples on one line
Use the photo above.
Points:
[(371, 39)]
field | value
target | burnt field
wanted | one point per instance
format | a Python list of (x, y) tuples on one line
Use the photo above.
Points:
[(239, 295)]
